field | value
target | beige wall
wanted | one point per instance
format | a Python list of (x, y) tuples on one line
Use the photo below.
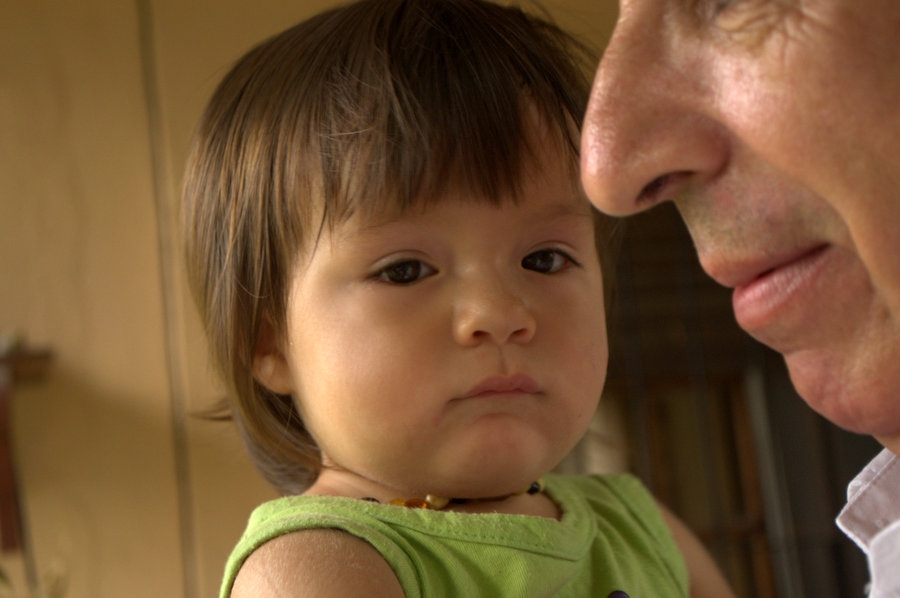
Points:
[(126, 494)]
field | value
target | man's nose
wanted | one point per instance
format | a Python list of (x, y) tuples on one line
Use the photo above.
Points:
[(650, 131)]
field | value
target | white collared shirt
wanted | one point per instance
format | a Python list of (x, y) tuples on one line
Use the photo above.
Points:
[(872, 520)]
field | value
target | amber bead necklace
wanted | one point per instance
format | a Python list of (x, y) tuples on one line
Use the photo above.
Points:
[(436, 503)]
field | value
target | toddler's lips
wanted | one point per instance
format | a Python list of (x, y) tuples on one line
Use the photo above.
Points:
[(503, 385)]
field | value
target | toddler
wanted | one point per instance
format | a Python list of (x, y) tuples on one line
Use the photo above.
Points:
[(401, 280)]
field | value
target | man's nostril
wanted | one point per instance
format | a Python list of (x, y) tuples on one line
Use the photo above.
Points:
[(652, 191), (660, 189)]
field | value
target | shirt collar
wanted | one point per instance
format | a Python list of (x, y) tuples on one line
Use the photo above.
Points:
[(872, 500)]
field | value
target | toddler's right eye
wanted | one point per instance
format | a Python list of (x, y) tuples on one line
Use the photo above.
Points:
[(405, 272)]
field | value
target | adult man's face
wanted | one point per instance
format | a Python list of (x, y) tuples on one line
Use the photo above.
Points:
[(774, 125)]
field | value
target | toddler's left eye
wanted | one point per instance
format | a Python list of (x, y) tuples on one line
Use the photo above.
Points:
[(546, 261), (404, 272)]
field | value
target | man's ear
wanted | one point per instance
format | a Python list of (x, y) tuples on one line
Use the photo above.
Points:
[(270, 365)]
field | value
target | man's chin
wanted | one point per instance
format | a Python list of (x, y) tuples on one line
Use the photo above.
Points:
[(841, 392)]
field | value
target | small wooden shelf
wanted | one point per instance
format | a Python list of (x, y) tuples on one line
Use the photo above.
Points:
[(18, 366), (25, 365)]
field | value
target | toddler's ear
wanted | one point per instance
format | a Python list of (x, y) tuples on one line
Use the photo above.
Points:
[(270, 366)]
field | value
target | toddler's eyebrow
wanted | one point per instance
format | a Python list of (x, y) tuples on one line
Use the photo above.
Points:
[(567, 208), (554, 211)]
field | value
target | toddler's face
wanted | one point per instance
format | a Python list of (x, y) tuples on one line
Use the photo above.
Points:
[(459, 350)]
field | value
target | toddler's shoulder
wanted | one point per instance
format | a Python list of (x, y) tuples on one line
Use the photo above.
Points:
[(312, 563)]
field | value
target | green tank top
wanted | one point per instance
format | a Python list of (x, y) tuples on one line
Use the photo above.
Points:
[(611, 538)]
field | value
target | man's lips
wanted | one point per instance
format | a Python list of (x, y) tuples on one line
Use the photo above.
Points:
[(759, 297), (503, 385), (741, 273)]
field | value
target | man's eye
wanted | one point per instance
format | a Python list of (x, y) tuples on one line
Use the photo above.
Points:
[(405, 272), (713, 7), (546, 261), (754, 20)]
